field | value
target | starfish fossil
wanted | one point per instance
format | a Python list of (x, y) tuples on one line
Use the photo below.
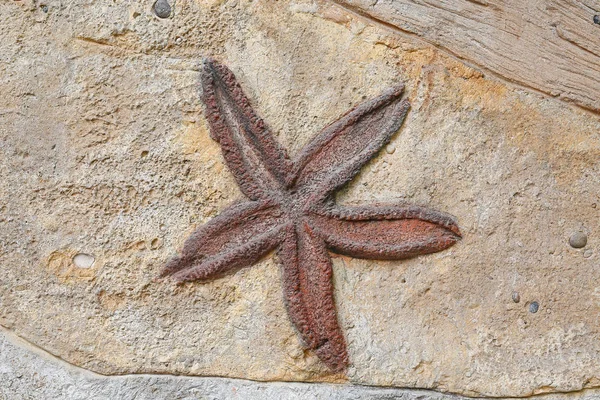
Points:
[(291, 207)]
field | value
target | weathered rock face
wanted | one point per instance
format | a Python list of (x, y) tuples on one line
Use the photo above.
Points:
[(105, 153), (54, 379), (550, 46)]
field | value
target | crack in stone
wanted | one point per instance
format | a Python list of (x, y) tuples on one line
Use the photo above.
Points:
[(29, 363)]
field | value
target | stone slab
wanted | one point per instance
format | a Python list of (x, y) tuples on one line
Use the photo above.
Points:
[(30, 373), (105, 154)]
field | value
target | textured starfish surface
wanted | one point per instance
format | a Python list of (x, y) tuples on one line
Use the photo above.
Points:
[(290, 208)]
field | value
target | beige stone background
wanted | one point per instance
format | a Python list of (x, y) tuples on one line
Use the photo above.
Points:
[(104, 151)]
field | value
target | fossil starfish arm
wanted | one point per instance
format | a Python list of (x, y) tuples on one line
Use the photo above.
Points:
[(233, 258), (258, 162), (385, 231), (339, 151), (294, 281), (308, 291), (229, 230)]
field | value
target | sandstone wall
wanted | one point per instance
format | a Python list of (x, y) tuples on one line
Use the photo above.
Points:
[(105, 153)]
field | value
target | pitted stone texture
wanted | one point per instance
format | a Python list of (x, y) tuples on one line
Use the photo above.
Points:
[(104, 151)]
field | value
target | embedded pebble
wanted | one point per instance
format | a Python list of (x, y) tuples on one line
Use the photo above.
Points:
[(516, 297), (162, 9), (534, 307), (390, 149), (578, 240), (83, 260), (588, 253)]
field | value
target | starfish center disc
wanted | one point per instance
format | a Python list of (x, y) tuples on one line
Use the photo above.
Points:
[(293, 205)]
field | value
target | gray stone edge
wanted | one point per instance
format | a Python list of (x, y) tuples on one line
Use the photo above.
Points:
[(29, 372)]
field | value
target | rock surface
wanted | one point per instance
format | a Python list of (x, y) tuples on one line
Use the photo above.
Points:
[(106, 159), (551, 46), (27, 372), (30, 373)]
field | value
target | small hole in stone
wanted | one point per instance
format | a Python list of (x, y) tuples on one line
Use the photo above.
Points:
[(144, 153), (403, 280), (83, 260)]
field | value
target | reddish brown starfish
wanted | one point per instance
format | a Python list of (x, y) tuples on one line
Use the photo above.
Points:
[(291, 207)]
